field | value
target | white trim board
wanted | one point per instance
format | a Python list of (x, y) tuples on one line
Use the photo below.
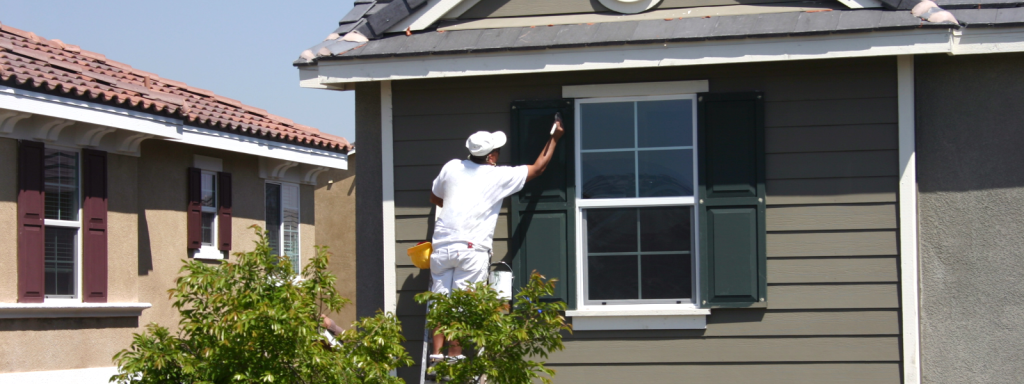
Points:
[(78, 376), (909, 262), (426, 16), (137, 126), (635, 89), (272, 149), (388, 194), (87, 112), (335, 73)]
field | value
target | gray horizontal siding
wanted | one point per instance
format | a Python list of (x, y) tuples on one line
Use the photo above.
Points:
[(873, 373), (832, 243), (731, 349)]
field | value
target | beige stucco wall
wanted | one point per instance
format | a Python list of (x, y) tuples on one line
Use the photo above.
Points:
[(122, 228), (8, 220), (335, 218), (147, 247)]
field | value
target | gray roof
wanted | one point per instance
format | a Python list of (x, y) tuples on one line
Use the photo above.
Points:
[(970, 13)]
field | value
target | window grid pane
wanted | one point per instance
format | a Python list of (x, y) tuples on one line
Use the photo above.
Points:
[(656, 161), (208, 218), (273, 197), (290, 224), (61, 184), (209, 190), (641, 253), (59, 258)]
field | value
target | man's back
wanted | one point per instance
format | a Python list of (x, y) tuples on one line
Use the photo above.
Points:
[(472, 196)]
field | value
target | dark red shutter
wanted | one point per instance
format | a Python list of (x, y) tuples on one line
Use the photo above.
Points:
[(195, 209), (224, 211), (94, 229), (31, 216)]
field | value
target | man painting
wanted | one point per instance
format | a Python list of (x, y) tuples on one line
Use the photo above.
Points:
[(470, 192)]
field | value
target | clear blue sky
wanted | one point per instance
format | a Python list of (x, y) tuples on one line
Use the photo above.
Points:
[(239, 49)]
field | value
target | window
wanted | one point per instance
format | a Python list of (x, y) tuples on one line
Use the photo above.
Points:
[(62, 224), (209, 212), (209, 202), (282, 203), (635, 171)]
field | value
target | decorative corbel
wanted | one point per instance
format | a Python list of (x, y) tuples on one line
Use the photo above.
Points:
[(282, 168), (130, 143), (9, 118), (92, 137), (50, 130), (313, 173)]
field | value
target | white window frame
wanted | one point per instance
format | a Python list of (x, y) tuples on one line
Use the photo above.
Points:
[(210, 251), (298, 209), (76, 224), (626, 307)]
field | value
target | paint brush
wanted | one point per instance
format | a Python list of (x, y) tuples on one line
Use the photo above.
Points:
[(558, 119)]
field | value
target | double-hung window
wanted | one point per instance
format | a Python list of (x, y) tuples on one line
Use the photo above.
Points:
[(635, 177), (62, 224), (282, 213)]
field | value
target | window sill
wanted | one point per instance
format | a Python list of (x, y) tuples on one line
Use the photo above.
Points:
[(53, 310), (638, 319)]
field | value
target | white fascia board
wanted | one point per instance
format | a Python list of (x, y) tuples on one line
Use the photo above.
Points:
[(890, 43), (859, 4), (425, 16), (458, 10), (65, 309), (78, 376), (161, 127), (988, 40), (87, 112), (244, 144)]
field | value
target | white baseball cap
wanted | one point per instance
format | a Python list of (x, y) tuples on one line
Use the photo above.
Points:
[(482, 143)]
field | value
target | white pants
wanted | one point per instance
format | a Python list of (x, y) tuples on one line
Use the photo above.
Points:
[(457, 266)]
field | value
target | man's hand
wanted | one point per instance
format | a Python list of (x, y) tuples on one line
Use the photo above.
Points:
[(326, 322), (559, 131), (538, 167)]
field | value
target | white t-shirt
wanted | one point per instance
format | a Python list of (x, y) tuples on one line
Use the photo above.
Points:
[(472, 195)]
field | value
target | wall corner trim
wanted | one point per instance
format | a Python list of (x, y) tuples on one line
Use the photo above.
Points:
[(909, 261), (388, 192)]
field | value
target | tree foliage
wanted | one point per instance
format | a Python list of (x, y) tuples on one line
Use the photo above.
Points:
[(504, 343), (253, 320)]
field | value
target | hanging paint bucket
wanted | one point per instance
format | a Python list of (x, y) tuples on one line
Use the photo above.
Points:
[(501, 281)]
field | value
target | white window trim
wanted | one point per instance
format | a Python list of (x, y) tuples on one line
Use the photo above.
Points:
[(76, 224), (211, 251), (280, 240), (638, 314)]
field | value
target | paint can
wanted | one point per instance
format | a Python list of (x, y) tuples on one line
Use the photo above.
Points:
[(501, 281)]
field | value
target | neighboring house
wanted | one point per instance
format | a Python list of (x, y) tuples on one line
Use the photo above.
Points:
[(737, 199), (111, 177)]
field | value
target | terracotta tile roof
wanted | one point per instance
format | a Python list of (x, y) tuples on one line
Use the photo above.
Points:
[(28, 61)]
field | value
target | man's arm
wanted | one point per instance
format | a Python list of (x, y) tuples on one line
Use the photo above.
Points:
[(538, 167), (436, 200)]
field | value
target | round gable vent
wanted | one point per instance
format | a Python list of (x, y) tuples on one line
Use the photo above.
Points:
[(629, 6)]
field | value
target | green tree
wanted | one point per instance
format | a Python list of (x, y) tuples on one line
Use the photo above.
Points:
[(254, 320), (504, 343)]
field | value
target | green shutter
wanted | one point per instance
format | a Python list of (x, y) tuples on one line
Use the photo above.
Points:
[(543, 213), (730, 139)]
